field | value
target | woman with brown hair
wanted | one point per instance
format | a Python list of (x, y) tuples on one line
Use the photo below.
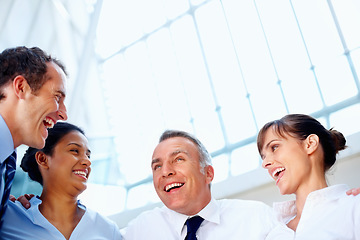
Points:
[(297, 151)]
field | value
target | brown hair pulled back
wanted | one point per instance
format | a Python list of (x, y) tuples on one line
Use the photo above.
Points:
[(301, 126)]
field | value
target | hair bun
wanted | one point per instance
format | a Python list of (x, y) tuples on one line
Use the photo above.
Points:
[(339, 140)]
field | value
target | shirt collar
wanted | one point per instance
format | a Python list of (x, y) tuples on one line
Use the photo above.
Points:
[(7, 144), (210, 212), (285, 211), (36, 216), (332, 192)]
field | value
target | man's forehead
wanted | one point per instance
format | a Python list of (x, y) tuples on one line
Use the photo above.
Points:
[(58, 78), (176, 142), (56, 69), (172, 147)]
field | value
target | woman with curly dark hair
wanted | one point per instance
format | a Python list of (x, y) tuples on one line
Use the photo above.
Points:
[(62, 167)]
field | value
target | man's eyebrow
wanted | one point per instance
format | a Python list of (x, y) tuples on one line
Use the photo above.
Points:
[(179, 151), (176, 152), (62, 93), (156, 160)]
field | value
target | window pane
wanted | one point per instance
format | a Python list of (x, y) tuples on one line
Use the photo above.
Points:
[(128, 26), (172, 97), (318, 28), (197, 2), (346, 120), (136, 196), (244, 159), (336, 80), (105, 203), (174, 8), (221, 167), (347, 13), (151, 14), (355, 55)]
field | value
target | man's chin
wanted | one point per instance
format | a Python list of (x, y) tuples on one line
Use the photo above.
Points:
[(38, 143), (177, 205)]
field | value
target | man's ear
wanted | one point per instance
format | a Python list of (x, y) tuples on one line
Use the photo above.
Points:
[(42, 160), (312, 143), (209, 173), (20, 86)]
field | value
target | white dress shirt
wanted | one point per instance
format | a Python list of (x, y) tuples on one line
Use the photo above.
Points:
[(21, 223), (328, 214), (223, 219)]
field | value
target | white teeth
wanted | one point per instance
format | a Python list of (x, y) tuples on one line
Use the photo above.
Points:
[(277, 171), (50, 122), (81, 173), (168, 187)]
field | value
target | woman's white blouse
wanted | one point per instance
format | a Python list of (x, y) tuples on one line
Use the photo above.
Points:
[(328, 214)]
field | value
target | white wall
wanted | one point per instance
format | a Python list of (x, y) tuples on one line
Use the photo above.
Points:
[(257, 185)]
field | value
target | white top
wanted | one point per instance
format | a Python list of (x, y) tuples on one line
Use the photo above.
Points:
[(20, 223), (328, 214), (224, 220)]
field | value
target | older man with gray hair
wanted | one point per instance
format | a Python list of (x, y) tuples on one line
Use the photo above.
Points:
[(182, 175)]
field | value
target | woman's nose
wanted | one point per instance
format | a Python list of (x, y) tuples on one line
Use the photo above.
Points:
[(266, 163), (86, 161)]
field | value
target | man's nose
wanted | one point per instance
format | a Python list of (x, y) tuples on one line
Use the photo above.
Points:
[(62, 112), (167, 170)]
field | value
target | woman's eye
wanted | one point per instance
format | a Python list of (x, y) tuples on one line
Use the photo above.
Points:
[(273, 148), (74, 150)]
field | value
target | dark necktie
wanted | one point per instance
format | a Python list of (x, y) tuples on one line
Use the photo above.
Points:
[(193, 225), (10, 164)]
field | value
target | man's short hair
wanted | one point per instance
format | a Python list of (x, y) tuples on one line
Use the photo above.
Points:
[(27, 62), (205, 158)]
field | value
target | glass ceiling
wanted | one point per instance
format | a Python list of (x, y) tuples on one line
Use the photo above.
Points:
[(218, 69)]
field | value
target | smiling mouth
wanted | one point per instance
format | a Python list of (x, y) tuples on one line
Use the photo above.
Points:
[(172, 186), (48, 122), (81, 173), (277, 172)]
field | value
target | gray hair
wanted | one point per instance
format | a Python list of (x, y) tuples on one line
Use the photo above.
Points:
[(205, 158)]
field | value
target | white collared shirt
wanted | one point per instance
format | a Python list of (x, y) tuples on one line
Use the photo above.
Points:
[(223, 219), (328, 214)]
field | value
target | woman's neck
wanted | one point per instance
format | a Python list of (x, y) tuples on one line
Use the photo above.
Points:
[(61, 211), (316, 183)]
